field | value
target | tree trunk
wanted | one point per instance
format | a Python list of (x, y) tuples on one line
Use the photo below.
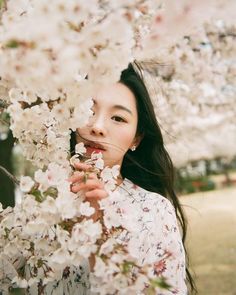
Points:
[(6, 185)]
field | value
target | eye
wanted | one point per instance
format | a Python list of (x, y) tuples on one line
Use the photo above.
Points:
[(118, 119)]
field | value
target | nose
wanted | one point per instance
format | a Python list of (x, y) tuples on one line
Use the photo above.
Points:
[(96, 131), (97, 127)]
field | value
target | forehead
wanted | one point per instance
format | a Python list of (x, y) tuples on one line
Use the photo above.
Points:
[(114, 94)]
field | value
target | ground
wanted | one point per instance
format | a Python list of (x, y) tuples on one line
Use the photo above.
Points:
[(212, 240)]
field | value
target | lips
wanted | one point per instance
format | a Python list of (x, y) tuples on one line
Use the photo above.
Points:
[(95, 146)]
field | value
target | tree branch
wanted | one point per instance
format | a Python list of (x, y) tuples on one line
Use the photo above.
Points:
[(12, 177), (4, 122)]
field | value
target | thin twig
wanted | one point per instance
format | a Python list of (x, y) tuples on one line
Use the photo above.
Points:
[(4, 122), (12, 177)]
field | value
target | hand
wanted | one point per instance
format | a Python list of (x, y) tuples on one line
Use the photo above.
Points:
[(86, 180)]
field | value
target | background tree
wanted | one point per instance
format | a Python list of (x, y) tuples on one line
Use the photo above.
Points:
[(6, 184)]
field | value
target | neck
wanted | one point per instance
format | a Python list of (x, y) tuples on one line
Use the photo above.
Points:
[(119, 179)]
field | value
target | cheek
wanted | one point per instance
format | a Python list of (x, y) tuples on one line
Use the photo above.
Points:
[(82, 131), (127, 137)]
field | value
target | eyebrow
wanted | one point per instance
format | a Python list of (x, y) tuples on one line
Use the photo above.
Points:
[(118, 107)]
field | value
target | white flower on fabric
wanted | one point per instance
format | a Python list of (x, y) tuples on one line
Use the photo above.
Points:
[(26, 184), (80, 148), (86, 209), (130, 216)]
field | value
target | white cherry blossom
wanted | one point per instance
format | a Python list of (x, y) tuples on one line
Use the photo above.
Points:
[(80, 148), (26, 184), (86, 209)]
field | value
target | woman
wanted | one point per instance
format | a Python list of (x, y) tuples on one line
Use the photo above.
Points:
[(125, 130)]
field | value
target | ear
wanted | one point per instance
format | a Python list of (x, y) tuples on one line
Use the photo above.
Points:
[(137, 140)]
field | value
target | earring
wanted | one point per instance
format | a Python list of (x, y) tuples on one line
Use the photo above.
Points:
[(133, 148)]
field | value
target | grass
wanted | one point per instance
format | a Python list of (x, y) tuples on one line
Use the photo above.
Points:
[(212, 240)]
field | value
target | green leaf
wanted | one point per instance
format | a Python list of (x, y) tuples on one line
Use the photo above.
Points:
[(127, 266), (161, 283), (37, 194), (52, 192), (12, 43)]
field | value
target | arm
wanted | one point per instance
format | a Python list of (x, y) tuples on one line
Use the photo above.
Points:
[(169, 252)]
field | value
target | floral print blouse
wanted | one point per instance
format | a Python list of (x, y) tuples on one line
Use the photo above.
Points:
[(159, 243)]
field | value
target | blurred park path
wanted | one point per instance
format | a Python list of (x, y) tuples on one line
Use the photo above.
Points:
[(212, 240)]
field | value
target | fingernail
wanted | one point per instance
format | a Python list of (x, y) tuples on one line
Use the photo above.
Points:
[(77, 162)]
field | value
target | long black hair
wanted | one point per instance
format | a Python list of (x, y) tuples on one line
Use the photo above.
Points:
[(150, 165)]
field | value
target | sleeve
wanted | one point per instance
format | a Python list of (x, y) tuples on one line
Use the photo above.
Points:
[(164, 249)]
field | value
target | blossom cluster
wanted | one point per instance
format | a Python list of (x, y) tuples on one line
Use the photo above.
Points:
[(42, 232), (49, 71), (193, 91), (50, 230)]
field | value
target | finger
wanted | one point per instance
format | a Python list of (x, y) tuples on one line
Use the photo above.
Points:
[(83, 166), (96, 194), (90, 184), (76, 176), (82, 176)]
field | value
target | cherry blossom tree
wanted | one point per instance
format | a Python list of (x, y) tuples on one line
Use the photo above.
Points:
[(52, 58)]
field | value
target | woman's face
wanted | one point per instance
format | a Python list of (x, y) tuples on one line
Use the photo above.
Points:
[(112, 128)]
